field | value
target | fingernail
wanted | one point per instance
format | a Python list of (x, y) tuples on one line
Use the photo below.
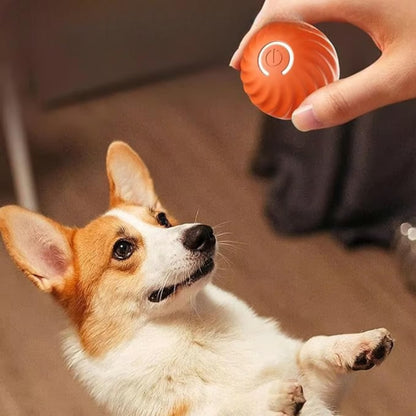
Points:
[(232, 64), (304, 118)]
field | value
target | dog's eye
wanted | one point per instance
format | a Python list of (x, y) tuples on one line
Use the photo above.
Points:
[(163, 220), (122, 249)]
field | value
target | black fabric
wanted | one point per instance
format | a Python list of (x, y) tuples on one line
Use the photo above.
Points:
[(357, 180)]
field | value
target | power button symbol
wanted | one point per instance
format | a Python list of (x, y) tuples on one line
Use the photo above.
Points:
[(275, 56)]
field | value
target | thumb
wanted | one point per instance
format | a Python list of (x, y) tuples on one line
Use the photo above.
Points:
[(346, 99), (261, 20)]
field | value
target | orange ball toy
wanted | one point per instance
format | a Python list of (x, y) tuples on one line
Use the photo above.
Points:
[(283, 63)]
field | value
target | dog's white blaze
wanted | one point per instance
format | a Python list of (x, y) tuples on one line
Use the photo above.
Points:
[(130, 219)]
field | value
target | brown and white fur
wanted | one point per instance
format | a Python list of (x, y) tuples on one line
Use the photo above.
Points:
[(151, 335)]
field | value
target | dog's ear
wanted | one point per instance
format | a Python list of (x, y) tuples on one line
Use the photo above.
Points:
[(39, 246), (129, 179)]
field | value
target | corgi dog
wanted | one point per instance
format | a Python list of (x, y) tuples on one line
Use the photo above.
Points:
[(151, 335)]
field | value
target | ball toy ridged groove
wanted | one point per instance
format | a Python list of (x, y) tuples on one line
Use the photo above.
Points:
[(283, 63)]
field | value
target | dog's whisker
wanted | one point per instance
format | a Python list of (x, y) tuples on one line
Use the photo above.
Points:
[(232, 242), (223, 233), (194, 307), (225, 259), (230, 246), (196, 215), (221, 269), (221, 224), (163, 287)]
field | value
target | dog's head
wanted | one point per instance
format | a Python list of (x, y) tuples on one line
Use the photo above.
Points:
[(131, 265)]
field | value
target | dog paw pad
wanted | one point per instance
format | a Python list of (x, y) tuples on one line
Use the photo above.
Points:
[(374, 356)]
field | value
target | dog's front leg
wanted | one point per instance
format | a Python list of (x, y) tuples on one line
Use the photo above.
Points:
[(324, 359)]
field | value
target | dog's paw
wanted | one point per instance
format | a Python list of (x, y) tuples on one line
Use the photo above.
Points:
[(375, 347), (286, 398)]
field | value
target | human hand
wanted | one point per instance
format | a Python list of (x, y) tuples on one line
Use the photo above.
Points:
[(392, 78)]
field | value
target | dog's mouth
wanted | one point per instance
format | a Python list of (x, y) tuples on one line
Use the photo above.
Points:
[(163, 293)]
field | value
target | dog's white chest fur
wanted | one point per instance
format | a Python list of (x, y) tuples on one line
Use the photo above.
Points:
[(221, 349)]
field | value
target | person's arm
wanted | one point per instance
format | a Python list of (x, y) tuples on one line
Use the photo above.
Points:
[(392, 78)]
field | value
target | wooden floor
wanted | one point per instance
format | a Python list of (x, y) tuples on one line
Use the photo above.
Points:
[(197, 134)]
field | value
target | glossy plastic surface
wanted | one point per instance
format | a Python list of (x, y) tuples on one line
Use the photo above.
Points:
[(283, 63)]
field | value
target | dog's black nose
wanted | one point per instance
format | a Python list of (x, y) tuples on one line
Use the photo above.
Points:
[(199, 238)]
